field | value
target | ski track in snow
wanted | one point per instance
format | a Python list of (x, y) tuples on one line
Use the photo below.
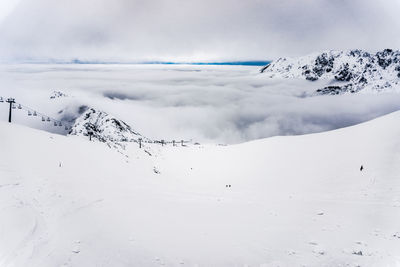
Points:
[(293, 201)]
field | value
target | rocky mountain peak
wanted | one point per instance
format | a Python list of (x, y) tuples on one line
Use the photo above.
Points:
[(103, 127), (344, 71)]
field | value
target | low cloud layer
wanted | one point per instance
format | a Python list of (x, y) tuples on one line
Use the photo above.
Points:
[(191, 30), (220, 104)]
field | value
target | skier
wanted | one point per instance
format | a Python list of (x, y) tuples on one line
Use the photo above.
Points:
[(361, 168)]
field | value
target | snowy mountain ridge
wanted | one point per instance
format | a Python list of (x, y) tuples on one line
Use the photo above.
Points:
[(104, 127), (345, 71)]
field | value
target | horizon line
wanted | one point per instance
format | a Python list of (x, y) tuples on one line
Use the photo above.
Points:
[(105, 62)]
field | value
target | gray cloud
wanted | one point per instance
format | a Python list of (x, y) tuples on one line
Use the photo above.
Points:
[(194, 30), (211, 104)]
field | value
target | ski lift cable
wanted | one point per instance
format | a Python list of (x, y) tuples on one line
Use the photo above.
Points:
[(47, 118), (35, 113), (31, 111), (39, 114)]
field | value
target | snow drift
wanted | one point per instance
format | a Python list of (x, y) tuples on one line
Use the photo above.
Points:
[(282, 201)]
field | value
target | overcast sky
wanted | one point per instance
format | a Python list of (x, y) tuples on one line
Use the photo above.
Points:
[(192, 30)]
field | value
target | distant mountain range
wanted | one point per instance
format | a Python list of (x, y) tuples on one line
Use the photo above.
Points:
[(105, 62), (344, 71)]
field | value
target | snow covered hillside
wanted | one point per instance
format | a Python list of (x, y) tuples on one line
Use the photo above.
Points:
[(103, 127), (344, 71), (282, 201)]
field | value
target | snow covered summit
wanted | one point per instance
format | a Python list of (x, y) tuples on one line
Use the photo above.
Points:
[(104, 127), (345, 71)]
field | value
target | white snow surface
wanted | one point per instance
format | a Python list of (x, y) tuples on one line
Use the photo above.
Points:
[(293, 201)]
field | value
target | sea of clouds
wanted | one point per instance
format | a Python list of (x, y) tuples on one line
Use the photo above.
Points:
[(218, 104)]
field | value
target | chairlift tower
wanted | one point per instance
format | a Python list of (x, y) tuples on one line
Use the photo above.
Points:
[(11, 101), (90, 133)]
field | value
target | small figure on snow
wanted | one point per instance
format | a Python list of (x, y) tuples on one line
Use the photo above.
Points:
[(361, 168)]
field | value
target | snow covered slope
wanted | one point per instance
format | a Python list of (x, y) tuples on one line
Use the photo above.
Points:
[(344, 71), (292, 201), (103, 127)]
